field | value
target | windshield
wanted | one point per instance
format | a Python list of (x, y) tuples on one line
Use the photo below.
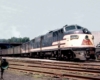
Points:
[(79, 27), (70, 28)]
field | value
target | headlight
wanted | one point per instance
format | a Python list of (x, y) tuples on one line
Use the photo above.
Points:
[(74, 37), (86, 37)]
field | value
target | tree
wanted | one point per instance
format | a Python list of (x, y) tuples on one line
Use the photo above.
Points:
[(25, 39), (15, 40)]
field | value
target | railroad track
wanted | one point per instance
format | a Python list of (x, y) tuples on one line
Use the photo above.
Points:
[(70, 70)]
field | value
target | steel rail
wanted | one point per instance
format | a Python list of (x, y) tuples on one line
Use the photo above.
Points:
[(62, 68), (60, 75), (70, 69), (95, 73), (88, 66)]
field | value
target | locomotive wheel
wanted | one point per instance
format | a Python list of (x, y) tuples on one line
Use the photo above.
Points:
[(62, 55), (71, 55)]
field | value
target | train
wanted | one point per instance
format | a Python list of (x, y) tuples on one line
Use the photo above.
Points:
[(69, 42)]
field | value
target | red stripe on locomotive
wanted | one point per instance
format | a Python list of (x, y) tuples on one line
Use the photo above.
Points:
[(87, 42)]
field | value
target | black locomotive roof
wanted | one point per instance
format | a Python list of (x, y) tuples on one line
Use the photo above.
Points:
[(69, 32), (77, 28)]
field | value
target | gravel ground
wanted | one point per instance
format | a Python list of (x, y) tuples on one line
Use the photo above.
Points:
[(11, 76), (18, 76)]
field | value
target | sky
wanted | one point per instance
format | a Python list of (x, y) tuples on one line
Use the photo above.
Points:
[(32, 18)]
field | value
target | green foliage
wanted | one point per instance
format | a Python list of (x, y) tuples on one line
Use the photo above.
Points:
[(15, 40)]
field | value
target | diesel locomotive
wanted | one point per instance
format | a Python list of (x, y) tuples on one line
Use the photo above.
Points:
[(69, 42)]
